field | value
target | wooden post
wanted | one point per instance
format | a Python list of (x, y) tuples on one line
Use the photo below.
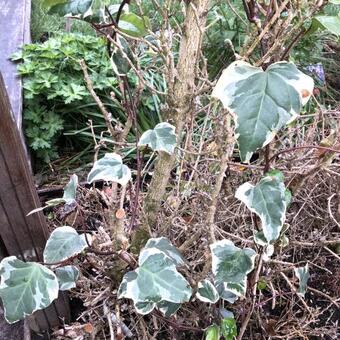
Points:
[(22, 235), (14, 33)]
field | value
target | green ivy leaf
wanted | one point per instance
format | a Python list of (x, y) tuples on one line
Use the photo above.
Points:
[(63, 243), (110, 168), (25, 287), (164, 245), (155, 280), (232, 291), (230, 263), (161, 138), (228, 328), (330, 23), (264, 101), (67, 277), (207, 292), (80, 8), (267, 199), (133, 25), (144, 307), (120, 64), (69, 196), (212, 333), (226, 294), (302, 274), (168, 308)]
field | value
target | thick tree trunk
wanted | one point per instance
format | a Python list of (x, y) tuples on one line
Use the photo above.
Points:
[(181, 92)]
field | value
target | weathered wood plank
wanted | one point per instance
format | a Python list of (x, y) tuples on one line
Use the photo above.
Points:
[(14, 32), (22, 235)]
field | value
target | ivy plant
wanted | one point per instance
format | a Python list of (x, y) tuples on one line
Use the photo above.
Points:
[(26, 287), (263, 101), (156, 282), (302, 273), (268, 199), (110, 168), (161, 138), (227, 329), (69, 196)]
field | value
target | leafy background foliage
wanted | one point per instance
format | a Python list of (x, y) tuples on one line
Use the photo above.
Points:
[(57, 101)]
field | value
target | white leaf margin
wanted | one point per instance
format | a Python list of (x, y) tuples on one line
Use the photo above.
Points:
[(69, 270), (143, 141), (73, 233), (215, 261), (204, 285), (241, 195), (129, 288), (230, 77), (53, 290), (109, 177), (304, 85), (302, 273)]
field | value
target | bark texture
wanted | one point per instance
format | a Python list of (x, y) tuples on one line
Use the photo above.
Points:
[(181, 92)]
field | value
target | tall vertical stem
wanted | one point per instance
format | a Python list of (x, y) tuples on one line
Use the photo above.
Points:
[(181, 92)]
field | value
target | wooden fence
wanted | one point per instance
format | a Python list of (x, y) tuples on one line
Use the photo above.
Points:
[(20, 235)]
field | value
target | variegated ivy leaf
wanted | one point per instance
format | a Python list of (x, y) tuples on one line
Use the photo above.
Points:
[(302, 274), (261, 240), (70, 190), (63, 243), (207, 292), (69, 196), (168, 308), (164, 245), (155, 280), (267, 199), (161, 138), (226, 294), (230, 263), (232, 291), (263, 101), (110, 168), (330, 23), (145, 307), (67, 277), (25, 287)]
